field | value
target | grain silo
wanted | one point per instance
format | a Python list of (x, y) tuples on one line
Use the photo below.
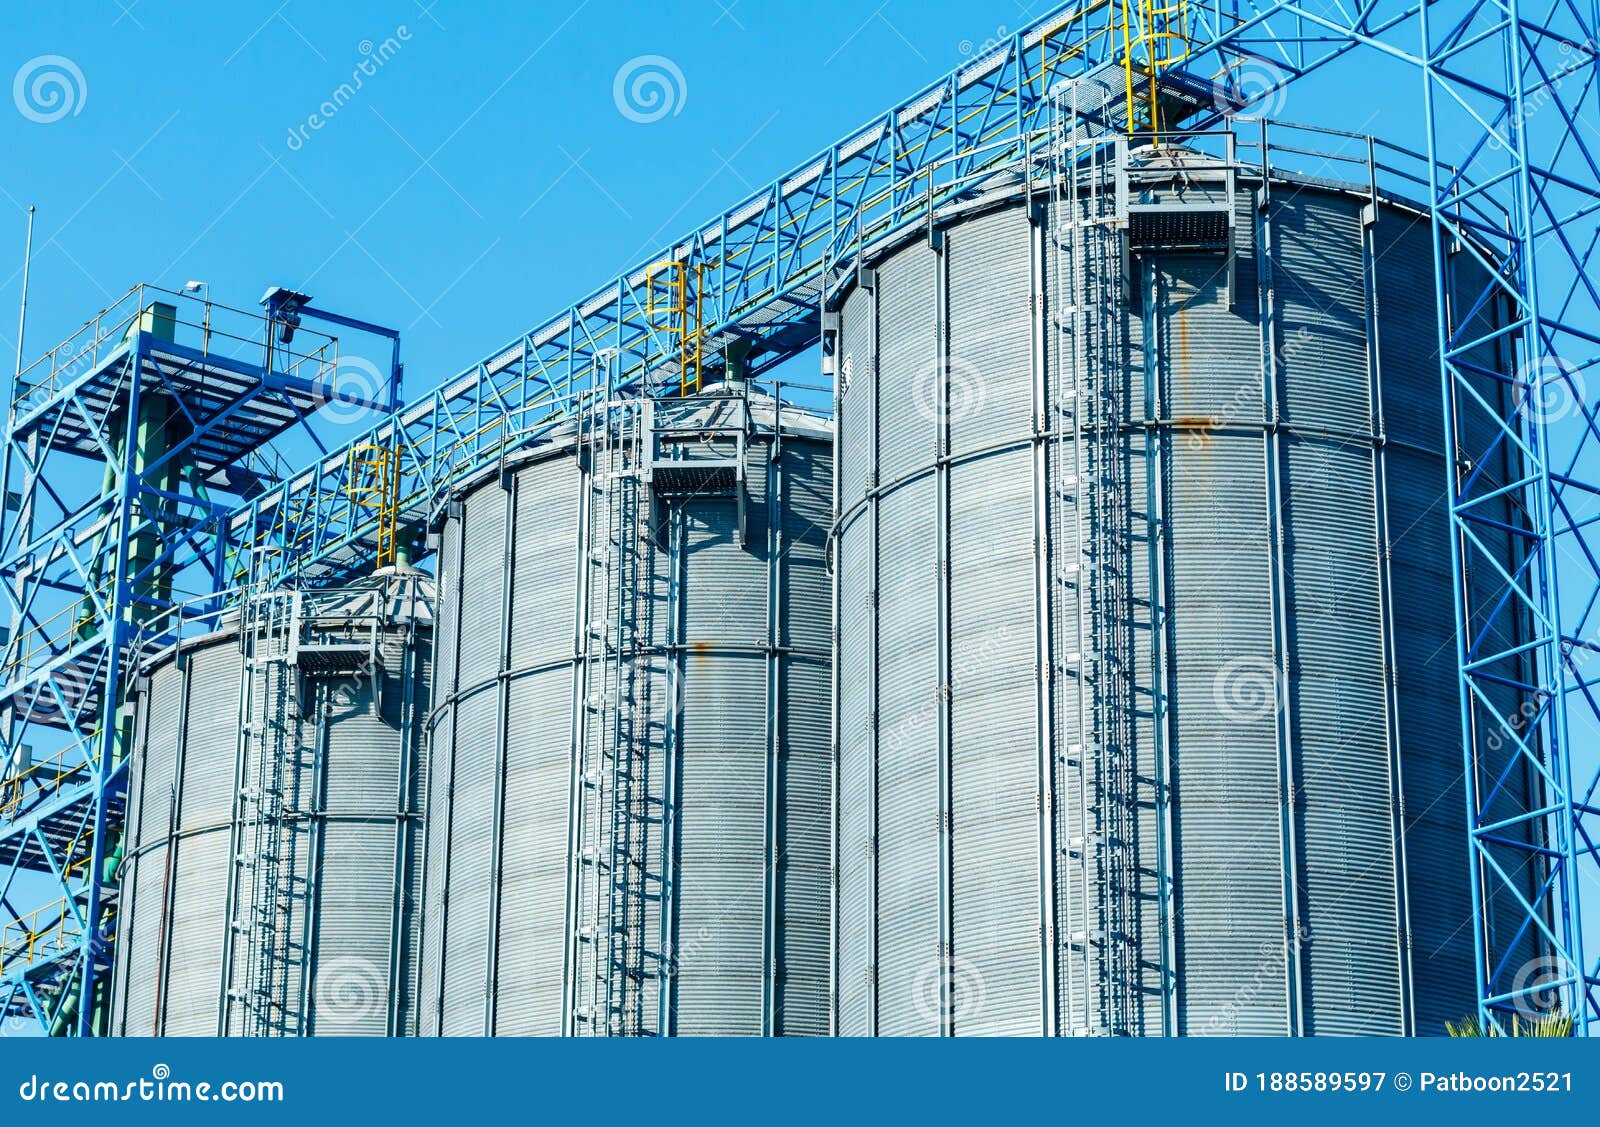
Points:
[(272, 878), (1148, 717), (629, 819)]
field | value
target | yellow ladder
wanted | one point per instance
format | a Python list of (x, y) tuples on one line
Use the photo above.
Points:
[(673, 307), (373, 485), (1159, 39)]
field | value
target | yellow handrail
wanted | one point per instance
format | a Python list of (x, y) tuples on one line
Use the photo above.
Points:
[(41, 934), (78, 854), (43, 777)]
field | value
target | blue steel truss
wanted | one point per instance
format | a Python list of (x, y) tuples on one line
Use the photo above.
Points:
[(127, 449), (1512, 182), (1514, 80)]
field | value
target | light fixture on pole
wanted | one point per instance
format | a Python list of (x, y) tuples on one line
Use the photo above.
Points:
[(204, 289)]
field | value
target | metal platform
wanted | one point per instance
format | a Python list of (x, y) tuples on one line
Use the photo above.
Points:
[(696, 446)]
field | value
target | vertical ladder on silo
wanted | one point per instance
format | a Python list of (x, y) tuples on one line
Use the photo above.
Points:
[(590, 1001), (630, 726), (1095, 711), (1069, 475), (266, 870), (618, 684), (1112, 599)]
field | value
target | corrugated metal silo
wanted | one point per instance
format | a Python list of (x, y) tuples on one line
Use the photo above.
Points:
[(1146, 674), (629, 823), (272, 879)]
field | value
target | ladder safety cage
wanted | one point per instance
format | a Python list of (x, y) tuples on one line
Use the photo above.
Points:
[(1155, 38), (619, 819), (271, 886), (373, 485), (299, 652), (642, 457), (1093, 547)]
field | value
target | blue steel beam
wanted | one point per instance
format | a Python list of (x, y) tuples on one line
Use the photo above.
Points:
[(766, 260), (764, 263)]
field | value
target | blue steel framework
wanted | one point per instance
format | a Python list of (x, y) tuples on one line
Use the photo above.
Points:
[(122, 447), (1512, 180)]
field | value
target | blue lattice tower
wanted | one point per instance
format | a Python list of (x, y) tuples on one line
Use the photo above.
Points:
[(127, 448), (1514, 80)]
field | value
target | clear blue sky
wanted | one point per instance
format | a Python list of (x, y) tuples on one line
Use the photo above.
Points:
[(481, 180)]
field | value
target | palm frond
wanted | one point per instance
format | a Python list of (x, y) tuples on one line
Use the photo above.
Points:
[(1552, 1024)]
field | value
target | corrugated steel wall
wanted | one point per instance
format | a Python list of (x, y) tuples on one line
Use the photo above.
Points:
[(738, 668), (358, 770), (1294, 681)]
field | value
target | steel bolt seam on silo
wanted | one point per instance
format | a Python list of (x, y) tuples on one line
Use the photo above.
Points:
[(329, 946), (731, 625), (1270, 687)]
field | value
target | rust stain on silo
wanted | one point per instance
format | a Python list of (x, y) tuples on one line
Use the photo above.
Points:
[(1197, 428)]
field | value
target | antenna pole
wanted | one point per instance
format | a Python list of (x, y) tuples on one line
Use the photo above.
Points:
[(22, 314)]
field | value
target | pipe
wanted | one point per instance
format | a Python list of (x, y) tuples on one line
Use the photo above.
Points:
[(159, 427), (735, 357), (67, 1014)]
